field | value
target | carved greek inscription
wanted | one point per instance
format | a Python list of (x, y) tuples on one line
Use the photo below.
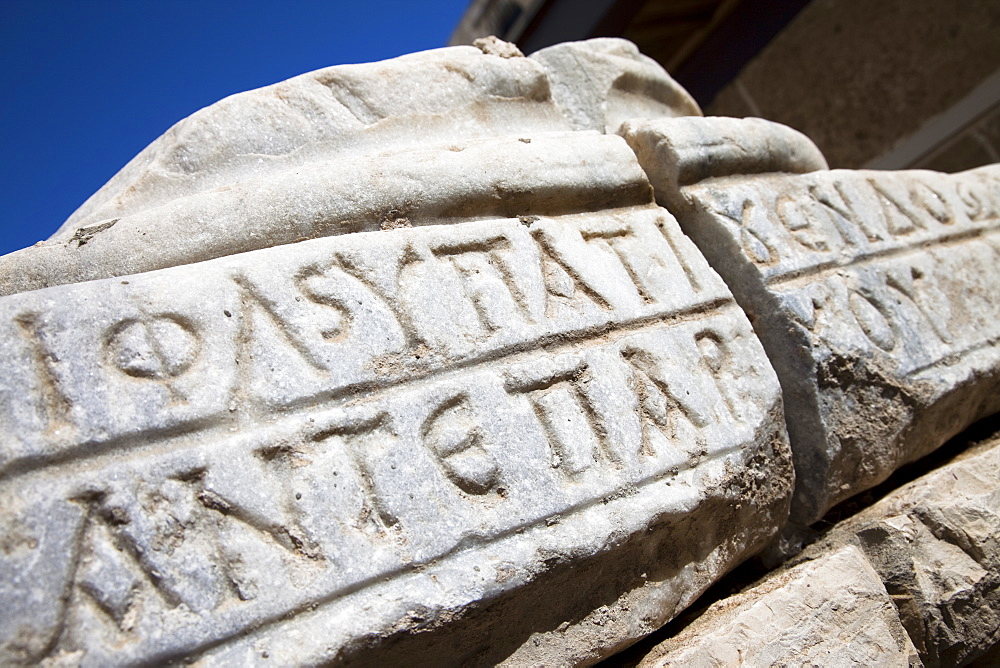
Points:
[(194, 541), (616, 240), (567, 416), (53, 404), (750, 222), (235, 491), (681, 260), (905, 283), (928, 199), (256, 304), (660, 406), (975, 199), (110, 577), (457, 295), (900, 219), (563, 282), (158, 347), (195, 554), (488, 279), (799, 218), (108, 566), (873, 318), (293, 327), (836, 200), (644, 262), (718, 359), (356, 268), (364, 440), (459, 445), (315, 286)]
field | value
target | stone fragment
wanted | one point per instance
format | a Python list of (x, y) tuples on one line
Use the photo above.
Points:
[(602, 82), (936, 544), (530, 439), (833, 611), (494, 46), (876, 294), (336, 150)]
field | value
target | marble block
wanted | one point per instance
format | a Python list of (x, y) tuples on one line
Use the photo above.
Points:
[(530, 440), (876, 294)]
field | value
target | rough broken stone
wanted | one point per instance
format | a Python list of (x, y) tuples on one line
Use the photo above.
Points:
[(833, 611), (876, 294), (936, 545), (531, 440), (600, 83), (338, 149)]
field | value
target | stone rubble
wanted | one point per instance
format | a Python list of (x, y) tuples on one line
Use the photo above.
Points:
[(832, 611), (427, 362), (936, 544), (875, 294), (927, 555)]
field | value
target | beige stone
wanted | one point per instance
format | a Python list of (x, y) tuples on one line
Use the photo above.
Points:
[(936, 544), (859, 77), (833, 611)]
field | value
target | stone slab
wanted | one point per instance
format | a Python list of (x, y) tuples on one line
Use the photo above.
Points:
[(936, 545), (529, 440), (876, 294), (833, 611)]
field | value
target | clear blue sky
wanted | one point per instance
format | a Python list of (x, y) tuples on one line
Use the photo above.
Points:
[(87, 84)]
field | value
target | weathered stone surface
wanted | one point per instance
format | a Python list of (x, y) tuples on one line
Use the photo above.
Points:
[(551, 174), (876, 294), (344, 148), (833, 611), (936, 544), (600, 83), (529, 440)]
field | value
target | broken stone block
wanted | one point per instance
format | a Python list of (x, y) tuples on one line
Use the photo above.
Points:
[(876, 294), (936, 545), (425, 138), (529, 439), (833, 611)]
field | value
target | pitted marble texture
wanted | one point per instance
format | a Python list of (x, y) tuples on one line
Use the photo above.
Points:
[(876, 294), (531, 440)]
